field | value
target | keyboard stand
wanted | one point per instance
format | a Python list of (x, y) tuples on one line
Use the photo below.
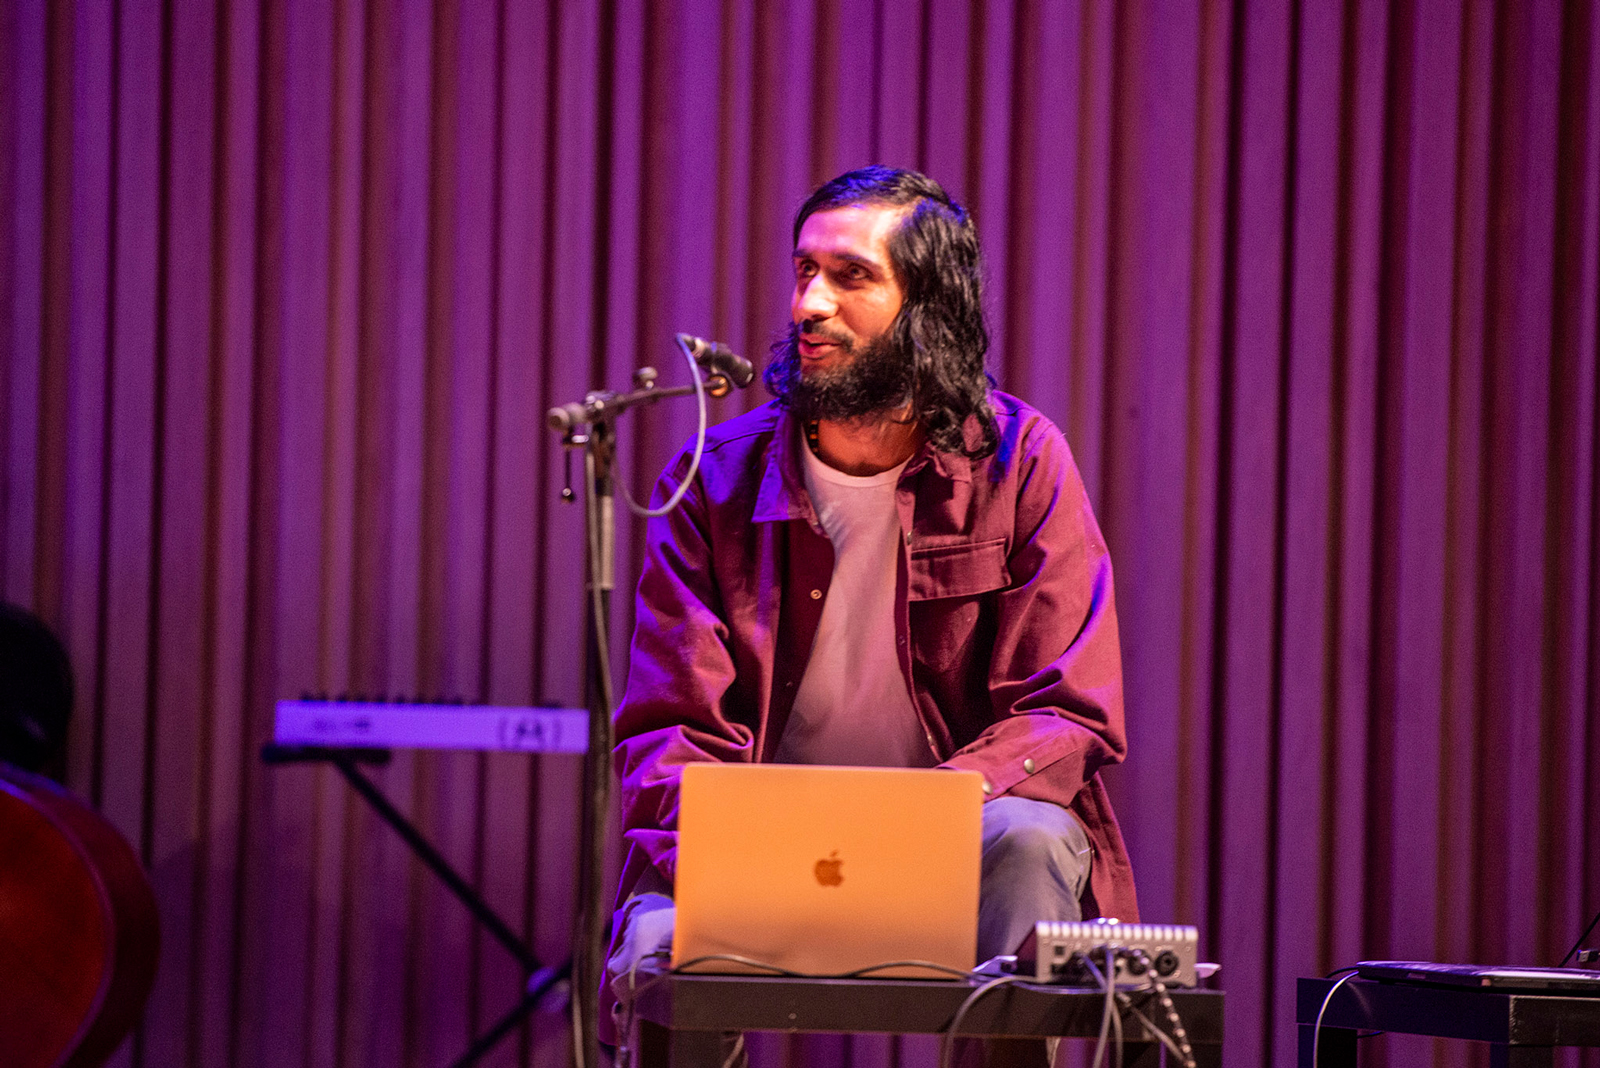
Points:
[(540, 978)]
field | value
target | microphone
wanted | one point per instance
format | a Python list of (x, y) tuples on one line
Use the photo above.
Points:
[(719, 360)]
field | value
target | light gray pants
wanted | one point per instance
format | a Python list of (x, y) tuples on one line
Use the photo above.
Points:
[(1036, 860)]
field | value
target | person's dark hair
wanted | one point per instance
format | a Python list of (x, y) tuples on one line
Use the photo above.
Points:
[(935, 257)]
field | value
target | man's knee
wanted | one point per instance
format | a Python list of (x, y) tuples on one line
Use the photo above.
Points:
[(643, 927), (1035, 835)]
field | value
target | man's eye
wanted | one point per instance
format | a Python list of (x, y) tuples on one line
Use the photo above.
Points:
[(804, 270)]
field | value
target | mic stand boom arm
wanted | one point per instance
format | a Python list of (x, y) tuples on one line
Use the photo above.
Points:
[(603, 405)]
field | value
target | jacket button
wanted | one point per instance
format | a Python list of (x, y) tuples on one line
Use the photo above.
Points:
[(1027, 765), (816, 595), (987, 788)]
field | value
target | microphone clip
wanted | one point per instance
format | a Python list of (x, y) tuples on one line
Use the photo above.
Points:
[(725, 370)]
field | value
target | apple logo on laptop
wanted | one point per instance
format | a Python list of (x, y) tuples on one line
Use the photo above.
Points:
[(828, 873)]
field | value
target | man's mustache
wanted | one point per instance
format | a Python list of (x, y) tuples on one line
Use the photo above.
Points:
[(813, 329)]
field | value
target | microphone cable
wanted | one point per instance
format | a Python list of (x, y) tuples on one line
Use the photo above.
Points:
[(699, 446)]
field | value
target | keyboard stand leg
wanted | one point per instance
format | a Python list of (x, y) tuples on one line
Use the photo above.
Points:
[(435, 861)]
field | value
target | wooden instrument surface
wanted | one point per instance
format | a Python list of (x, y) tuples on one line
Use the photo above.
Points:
[(79, 933)]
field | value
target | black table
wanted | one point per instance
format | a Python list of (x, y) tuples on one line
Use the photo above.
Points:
[(1523, 1029), (682, 1017)]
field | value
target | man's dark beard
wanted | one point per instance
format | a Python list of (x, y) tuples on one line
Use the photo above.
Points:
[(868, 380)]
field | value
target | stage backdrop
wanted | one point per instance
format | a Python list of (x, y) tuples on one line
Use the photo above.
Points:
[(288, 285)]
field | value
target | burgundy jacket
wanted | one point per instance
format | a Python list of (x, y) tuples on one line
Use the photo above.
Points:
[(1004, 610)]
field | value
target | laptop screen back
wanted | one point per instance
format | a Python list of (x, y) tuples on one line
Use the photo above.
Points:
[(827, 870)]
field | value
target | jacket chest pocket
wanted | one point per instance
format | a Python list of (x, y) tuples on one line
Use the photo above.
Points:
[(966, 570), (946, 588)]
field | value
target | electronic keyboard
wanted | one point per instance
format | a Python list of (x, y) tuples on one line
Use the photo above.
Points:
[(405, 725)]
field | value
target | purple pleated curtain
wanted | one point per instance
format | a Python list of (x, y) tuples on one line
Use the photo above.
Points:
[(287, 286)]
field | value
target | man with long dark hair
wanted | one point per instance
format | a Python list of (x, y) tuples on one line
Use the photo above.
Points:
[(893, 564), (927, 365)]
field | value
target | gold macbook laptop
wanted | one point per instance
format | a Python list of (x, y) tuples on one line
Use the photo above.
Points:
[(827, 870)]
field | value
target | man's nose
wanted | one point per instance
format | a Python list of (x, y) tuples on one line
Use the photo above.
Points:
[(814, 299)]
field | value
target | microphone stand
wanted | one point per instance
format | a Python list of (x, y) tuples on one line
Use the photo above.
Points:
[(598, 412)]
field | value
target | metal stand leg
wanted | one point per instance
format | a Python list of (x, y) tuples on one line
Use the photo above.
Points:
[(1337, 1048), (437, 864), (661, 1048), (1502, 1056), (655, 1045), (538, 985), (540, 978), (1141, 1055), (594, 913)]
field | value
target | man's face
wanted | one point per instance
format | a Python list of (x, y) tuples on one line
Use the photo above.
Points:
[(846, 295), (841, 359)]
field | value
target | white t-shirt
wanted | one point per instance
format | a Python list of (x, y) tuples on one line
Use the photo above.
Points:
[(853, 706)]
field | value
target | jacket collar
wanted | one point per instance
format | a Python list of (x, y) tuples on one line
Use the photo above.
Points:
[(782, 495)]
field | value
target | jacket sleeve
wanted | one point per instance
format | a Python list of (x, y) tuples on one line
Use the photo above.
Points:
[(680, 669), (1055, 676)]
